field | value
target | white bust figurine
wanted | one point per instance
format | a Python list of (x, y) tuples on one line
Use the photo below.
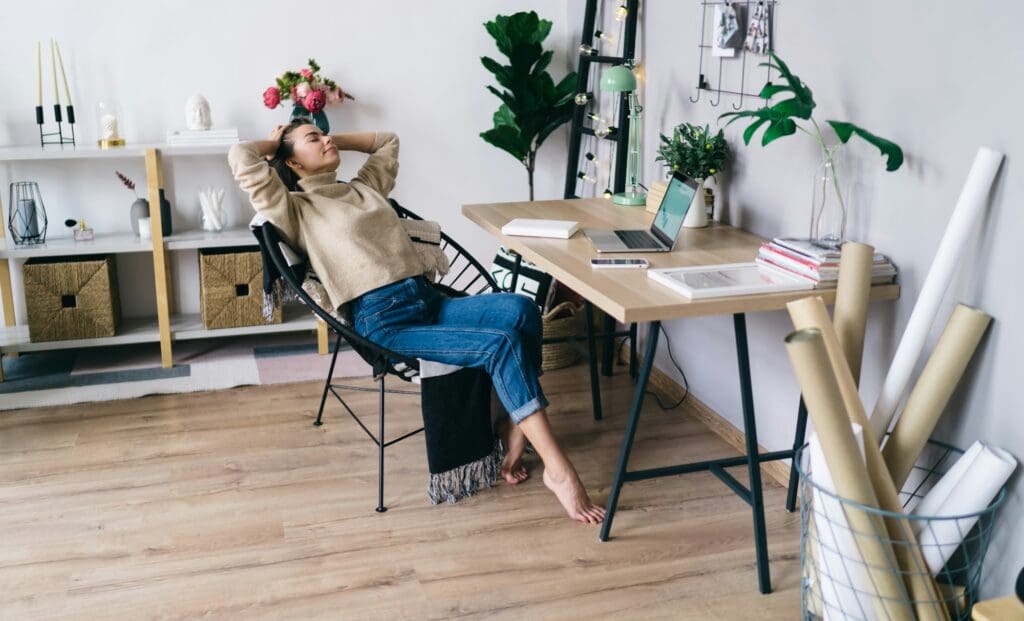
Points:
[(197, 113)]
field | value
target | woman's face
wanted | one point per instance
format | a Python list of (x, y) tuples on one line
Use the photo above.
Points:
[(313, 152)]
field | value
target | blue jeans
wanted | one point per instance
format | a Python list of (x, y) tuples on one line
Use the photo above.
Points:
[(498, 332)]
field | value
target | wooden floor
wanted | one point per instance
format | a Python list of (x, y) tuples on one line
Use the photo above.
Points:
[(231, 504)]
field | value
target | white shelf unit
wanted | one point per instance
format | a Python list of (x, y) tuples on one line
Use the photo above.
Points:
[(178, 327)]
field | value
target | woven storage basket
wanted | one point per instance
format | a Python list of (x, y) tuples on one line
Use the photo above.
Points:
[(231, 289), (560, 355), (71, 298)]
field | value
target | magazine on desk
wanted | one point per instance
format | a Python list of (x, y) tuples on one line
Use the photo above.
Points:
[(714, 281)]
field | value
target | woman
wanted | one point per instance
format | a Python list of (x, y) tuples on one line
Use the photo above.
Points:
[(362, 254)]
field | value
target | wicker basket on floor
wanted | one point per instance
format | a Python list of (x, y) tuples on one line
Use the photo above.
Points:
[(231, 289), (566, 319), (71, 298)]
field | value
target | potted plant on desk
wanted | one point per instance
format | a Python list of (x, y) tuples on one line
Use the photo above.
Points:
[(694, 151)]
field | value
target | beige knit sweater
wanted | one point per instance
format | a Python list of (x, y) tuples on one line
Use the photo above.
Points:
[(353, 238)]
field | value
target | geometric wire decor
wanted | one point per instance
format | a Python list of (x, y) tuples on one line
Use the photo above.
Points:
[(27, 221)]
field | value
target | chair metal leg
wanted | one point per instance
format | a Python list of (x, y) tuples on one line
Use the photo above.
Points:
[(595, 381), (634, 420), (753, 459), (327, 384), (380, 451), (798, 441)]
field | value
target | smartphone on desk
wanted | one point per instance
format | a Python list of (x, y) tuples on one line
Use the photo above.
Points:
[(601, 262)]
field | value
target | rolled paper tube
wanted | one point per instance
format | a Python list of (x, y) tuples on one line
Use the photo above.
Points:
[(967, 212), (811, 313), (979, 485), (810, 360), (843, 583), (941, 491), (851, 310), (933, 390)]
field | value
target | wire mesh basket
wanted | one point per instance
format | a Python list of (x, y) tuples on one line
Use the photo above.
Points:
[(837, 534)]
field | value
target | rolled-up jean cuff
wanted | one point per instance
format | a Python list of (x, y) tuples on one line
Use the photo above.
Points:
[(528, 408)]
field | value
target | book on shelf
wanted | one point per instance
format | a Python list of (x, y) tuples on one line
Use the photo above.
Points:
[(193, 137)]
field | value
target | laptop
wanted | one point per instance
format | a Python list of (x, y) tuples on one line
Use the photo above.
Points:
[(664, 229)]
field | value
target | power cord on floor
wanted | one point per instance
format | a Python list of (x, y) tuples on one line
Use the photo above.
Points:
[(686, 382)]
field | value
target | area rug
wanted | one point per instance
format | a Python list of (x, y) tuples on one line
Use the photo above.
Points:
[(124, 372)]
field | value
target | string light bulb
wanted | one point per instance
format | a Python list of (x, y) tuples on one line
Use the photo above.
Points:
[(607, 194), (604, 36), (583, 99), (621, 13), (603, 132), (590, 157), (597, 118), (587, 50), (586, 178)]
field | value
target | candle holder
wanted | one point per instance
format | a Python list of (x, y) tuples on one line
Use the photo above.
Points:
[(58, 136), (27, 220)]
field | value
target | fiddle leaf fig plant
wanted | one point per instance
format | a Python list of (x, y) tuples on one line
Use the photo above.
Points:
[(781, 119), (533, 105)]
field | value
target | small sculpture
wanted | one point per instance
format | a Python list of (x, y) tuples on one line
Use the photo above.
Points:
[(197, 113)]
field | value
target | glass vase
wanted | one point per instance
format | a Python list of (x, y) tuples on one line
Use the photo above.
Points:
[(829, 201), (319, 118)]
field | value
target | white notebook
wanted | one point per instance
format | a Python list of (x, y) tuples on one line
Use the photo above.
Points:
[(534, 227)]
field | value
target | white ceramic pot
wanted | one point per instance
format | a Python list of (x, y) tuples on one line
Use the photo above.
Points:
[(697, 216)]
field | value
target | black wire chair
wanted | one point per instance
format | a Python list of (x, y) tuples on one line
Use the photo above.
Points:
[(466, 276)]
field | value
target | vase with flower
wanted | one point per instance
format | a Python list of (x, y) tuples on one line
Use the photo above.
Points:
[(830, 196), (309, 93)]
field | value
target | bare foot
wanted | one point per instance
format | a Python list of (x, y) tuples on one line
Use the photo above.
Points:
[(570, 492), (512, 468)]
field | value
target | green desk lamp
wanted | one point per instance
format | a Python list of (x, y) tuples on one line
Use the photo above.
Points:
[(620, 79)]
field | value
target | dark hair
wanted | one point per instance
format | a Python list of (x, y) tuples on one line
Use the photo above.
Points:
[(285, 149)]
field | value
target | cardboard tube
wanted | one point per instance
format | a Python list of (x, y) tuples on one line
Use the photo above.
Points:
[(851, 310), (811, 313), (933, 390), (810, 360), (967, 212)]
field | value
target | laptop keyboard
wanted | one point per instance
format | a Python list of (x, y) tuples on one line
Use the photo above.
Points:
[(637, 239)]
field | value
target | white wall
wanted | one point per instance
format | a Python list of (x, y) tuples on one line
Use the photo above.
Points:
[(413, 67), (940, 80)]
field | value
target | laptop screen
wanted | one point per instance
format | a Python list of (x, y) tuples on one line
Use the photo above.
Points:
[(673, 208)]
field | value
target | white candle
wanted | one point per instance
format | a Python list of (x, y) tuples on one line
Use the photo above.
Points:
[(64, 76), (108, 127), (39, 74), (53, 61), (967, 212)]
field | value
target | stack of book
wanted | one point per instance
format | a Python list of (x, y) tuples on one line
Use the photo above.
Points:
[(820, 266), (201, 137)]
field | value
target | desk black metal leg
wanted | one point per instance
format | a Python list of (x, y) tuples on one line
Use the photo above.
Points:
[(634, 419), (595, 381), (608, 348), (798, 441), (753, 461)]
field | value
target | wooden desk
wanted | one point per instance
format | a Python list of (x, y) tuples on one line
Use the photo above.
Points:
[(628, 296)]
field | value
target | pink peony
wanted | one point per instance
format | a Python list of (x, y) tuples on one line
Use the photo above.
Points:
[(306, 73), (333, 96), (314, 101), (271, 97), (302, 90)]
